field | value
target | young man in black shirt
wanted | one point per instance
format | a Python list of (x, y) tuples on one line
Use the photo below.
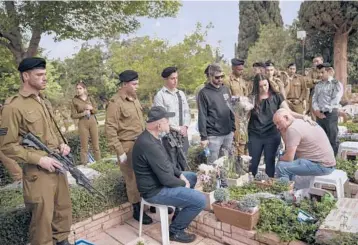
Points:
[(159, 182)]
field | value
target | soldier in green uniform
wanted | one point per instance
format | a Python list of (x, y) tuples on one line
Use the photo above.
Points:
[(295, 90), (46, 192), (276, 83), (239, 87), (124, 122)]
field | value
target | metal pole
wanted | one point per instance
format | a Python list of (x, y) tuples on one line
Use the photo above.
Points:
[(303, 56)]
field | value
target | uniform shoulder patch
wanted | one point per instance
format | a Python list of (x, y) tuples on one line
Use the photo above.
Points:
[(11, 99)]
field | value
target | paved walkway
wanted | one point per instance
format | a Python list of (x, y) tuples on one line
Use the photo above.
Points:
[(127, 234)]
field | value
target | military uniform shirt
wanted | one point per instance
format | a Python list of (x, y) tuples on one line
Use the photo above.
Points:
[(296, 89), (327, 95), (124, 121)]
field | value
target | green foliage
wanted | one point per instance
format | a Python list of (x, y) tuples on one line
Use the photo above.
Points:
[(14, 221), (280, 218), (195, 157), (351, 127), (221, 195), (350, 167), (342, 239), (104, 166), (247, 204), (5, 177), (274, 43), (10, 81), (254, 14)]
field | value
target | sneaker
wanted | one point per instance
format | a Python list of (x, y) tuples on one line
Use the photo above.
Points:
[(182, 237)]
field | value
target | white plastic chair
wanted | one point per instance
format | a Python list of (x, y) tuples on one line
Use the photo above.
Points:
[(347, 146), (336, 178), (164, 220)]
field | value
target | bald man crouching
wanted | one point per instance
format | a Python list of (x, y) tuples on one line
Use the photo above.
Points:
[(308, 150)]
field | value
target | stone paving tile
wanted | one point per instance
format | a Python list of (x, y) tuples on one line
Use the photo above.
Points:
[(145, 239), (155, 233), (208, 241), (123, 233), (135, 224), (104, 239)]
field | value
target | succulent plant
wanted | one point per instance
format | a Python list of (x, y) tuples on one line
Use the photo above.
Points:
[(247, 204), (261, 176), (221, 195)]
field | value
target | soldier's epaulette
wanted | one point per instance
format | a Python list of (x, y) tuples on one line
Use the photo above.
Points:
[(10, 99)]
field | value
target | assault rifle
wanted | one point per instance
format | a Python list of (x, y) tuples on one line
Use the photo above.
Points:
[(31, 140), (175, 140)]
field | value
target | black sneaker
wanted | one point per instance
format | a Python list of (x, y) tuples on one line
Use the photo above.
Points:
[(153, 210), (182, 237)]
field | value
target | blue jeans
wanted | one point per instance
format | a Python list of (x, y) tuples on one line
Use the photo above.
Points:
[(301, 167), (217, 143), (190, 201)]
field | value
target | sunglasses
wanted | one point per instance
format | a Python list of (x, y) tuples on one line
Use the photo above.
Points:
[(218, 77)]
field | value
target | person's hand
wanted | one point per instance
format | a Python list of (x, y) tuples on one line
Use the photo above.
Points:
[(123, 158), (50, 164), (187, 183), (319, 114), (64, 149), (183, 131), (309, 120), (204, 143), (89, 107)]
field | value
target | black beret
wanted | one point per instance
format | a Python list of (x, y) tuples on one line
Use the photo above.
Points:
[(324, 65), (258, 64), (128, 76), (269, 63), (168, 71), (31, 63), (291, 64), (237, 62), (207, 70), (158, 112)]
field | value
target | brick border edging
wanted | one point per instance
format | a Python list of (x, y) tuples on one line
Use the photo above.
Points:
[(207, 225), (90, 227)]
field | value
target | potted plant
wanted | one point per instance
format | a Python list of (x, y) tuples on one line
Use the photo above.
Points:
[(243, 214), (207, 178), (264, 181), (235, 167)]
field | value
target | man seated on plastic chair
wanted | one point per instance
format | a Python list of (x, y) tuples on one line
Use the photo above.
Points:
[(308, 151), (159, 182)]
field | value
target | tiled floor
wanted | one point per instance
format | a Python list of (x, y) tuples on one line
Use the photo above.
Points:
[(127, 234)]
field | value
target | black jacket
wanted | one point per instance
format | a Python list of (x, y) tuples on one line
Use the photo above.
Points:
[(215, 116), (152, 166)]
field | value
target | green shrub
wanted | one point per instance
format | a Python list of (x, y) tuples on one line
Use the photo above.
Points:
[(195, 158), (5, 177), (350, 167), (14, 221), (351, 126), (104, 166)]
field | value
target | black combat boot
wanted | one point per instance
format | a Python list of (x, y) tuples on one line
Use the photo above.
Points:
[(64, 242), (136, 215), (182, 237)]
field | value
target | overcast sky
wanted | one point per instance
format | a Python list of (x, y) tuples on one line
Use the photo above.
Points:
[(224, 15)]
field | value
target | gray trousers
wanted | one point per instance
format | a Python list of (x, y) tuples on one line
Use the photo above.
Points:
[(217, 143), (330, 126)]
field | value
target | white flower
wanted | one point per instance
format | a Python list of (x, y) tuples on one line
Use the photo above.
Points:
[(246, 158), (205, 168)]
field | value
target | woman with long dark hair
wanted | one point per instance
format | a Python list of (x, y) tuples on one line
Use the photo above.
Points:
[(263, 134), (84, 108)]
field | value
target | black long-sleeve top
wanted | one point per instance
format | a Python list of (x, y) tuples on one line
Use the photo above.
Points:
[(152, 166)]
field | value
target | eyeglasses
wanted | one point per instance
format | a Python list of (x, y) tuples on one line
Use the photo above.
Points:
[(218, 77)]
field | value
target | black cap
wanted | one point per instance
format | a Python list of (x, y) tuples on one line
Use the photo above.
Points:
[(291, 64), (258, 64), (168, 71), (269, 63), (32, 63), (324, 65), (128, 76), (237, 62), (158, 112), (206, 72)]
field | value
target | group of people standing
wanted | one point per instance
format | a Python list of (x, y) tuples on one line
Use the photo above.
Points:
[(147, 168)]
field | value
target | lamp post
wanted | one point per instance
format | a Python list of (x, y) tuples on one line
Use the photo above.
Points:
[(302, 36)]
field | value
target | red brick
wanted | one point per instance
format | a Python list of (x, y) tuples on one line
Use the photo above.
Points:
[(219, 233), (200, 217), (242, 232), (93, 233), (206, 229), (96, 222), (244, 239), (100, 215), (228, 240), (94, 228), (79, 229), (297, 243), (210, 220), (269, 239), (226, 227), (81, 223), (81, 235)]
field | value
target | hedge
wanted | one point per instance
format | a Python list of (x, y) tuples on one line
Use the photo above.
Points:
[(15, 219)]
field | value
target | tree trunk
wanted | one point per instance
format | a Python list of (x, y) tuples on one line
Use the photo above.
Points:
[(340, 42)]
